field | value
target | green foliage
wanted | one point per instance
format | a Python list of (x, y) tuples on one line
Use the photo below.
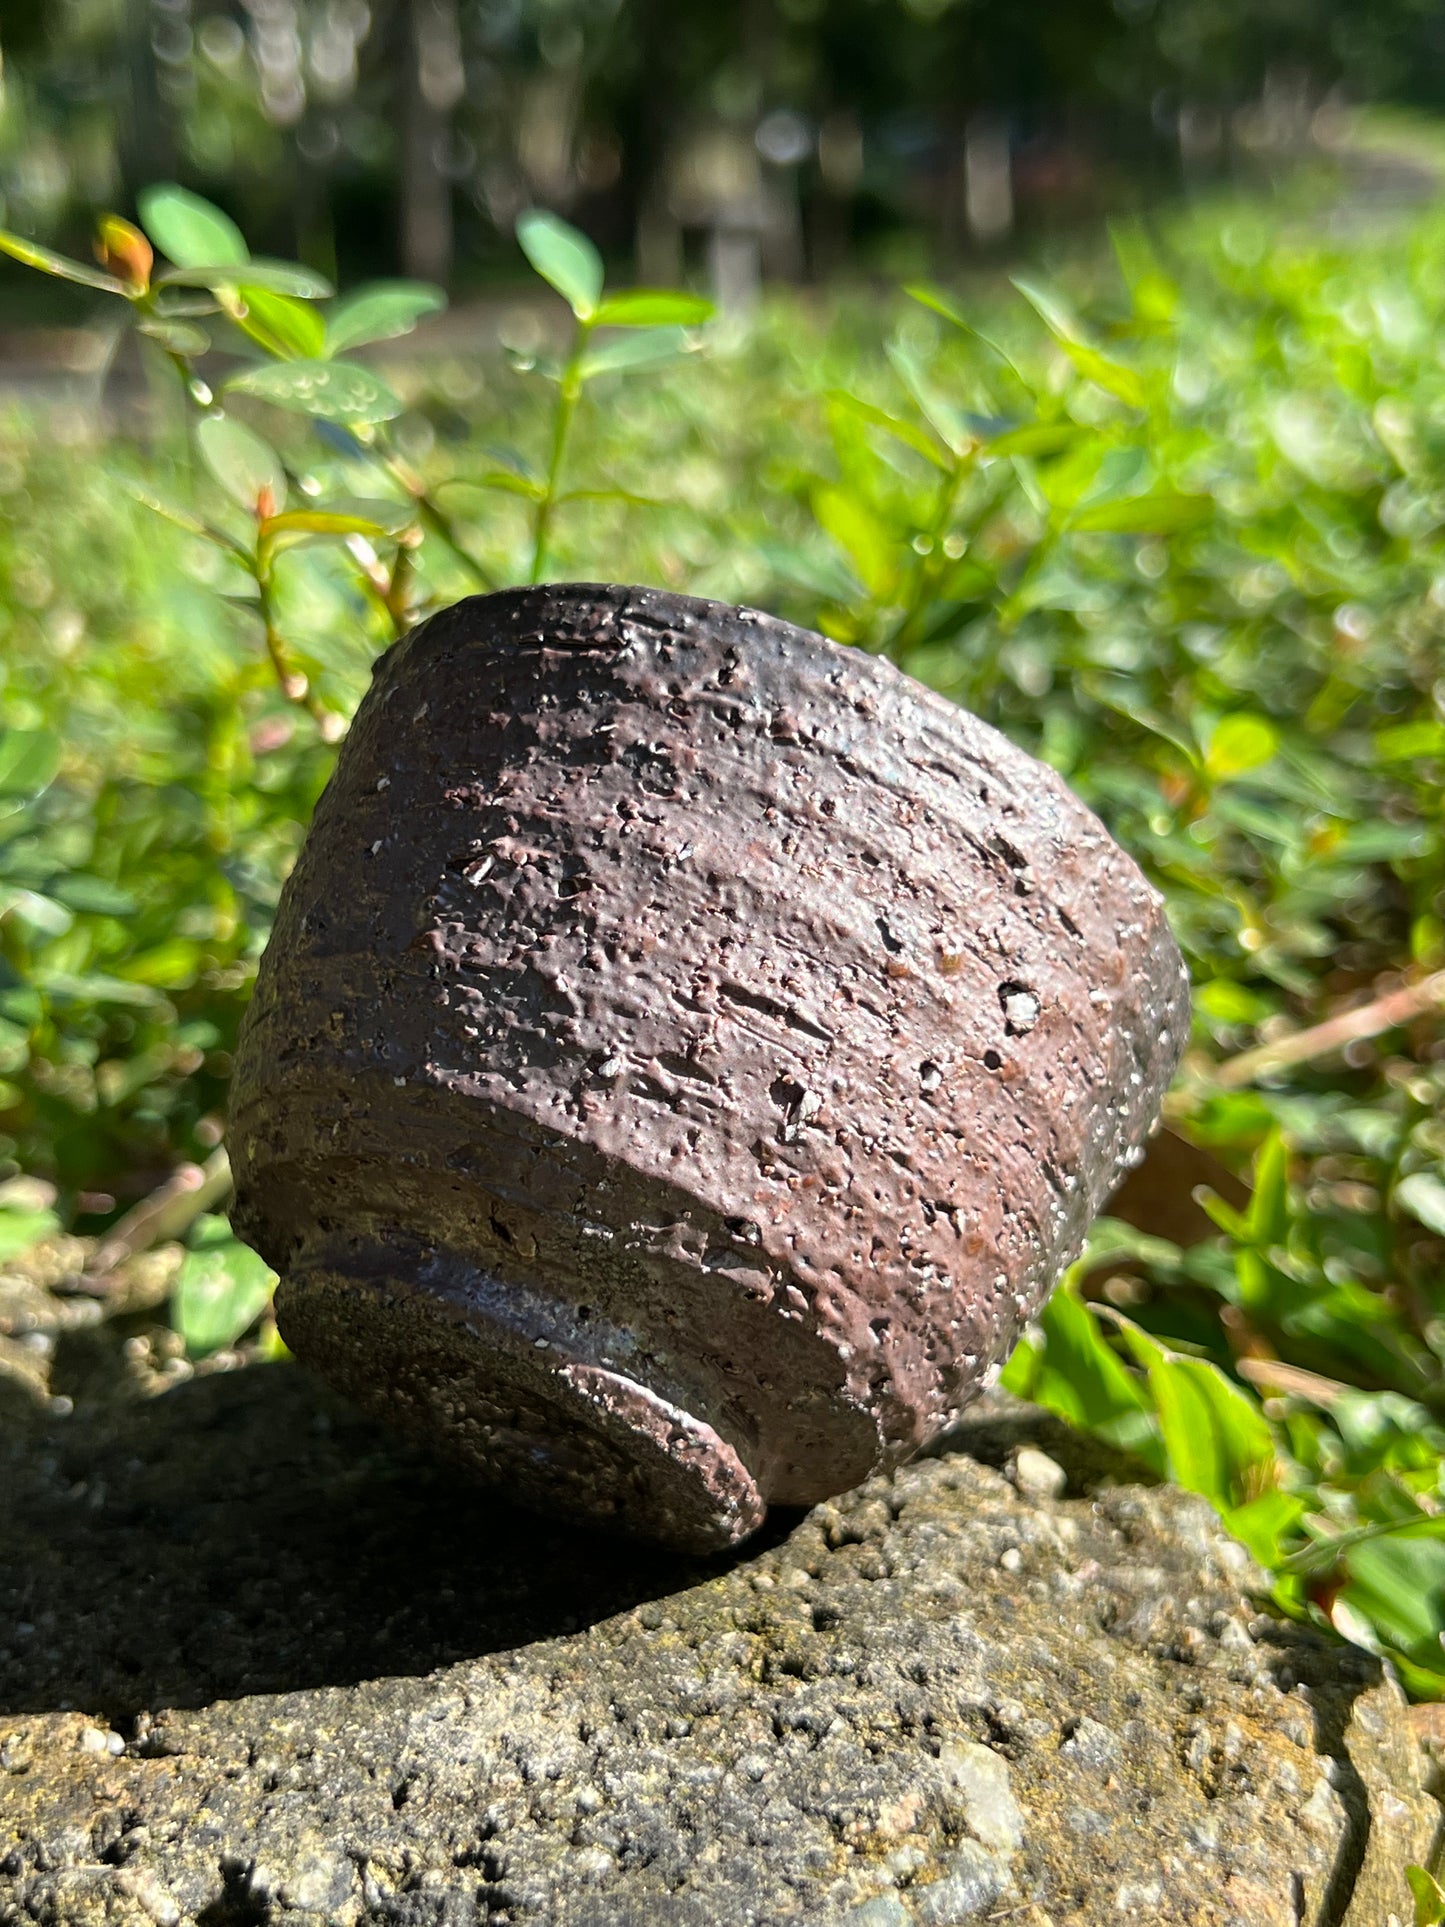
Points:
[(31, 255), (1429, 1897), (222, 1289), (25, 1215), (189, 231), (564, 258), (1175, 523), (333, 391), (380, 313), (568, 261), (245, 467)]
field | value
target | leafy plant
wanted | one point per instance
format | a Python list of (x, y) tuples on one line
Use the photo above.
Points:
[(654, 321), (293, 341), (304, 369), (1173, 518), (1429, 1897), (222, 1289)]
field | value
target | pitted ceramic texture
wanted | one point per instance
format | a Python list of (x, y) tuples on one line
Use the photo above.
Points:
[(687, 1053)]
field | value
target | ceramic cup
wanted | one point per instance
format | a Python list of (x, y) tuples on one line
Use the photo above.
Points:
[(687, 1054)]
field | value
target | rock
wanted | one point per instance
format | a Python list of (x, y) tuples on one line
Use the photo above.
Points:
[(355, 1691), (991, 1813), (1038, 1476), (974, 1880), (686, 1055)]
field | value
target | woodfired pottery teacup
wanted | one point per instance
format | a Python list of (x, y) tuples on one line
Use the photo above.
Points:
[(687, 1054)]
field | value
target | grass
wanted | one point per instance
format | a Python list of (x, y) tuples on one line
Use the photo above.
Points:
[(1176, 524)]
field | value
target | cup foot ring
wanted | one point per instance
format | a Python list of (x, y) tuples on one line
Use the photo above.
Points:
[(565, 1435)]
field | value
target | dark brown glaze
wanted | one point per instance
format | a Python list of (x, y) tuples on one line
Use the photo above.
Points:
[(687, 1053)]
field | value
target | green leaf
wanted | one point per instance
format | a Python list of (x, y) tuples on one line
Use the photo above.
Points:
[(174, 512), (653, 308), (336, 391), (180, 337), (59, 265), (1230, 1003), (93, 896), (190, 231), (1230, 1221), (1155, 296), (1403, 742), (1158, 512), (634, 351), (1218, 1441), (1112, 376), (280, 323), (1074, 1372), (172, 965), (902, 431), (180, 303), (221, 1291), (241, 462), (1051, 311), (274, 277), (951, 425), (29, 759), (38, 912), (94, 987), (627, 495), (380, 313), (1327, 1553), (1267, 1526), (304, 523), (1396, 1581), (1429, 1897), (1037, 438), (1239, 743), (20, 1229), (564, 258), (939, 302), (391, 517), (505, 479), (1267, 1220), (1423, 1195), (857, 531), (1112, 1240)]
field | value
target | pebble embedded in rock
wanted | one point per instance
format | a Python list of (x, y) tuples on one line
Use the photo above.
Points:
[(974, 1881), (991, 1813), (1091, 1744), (1038, 1476)]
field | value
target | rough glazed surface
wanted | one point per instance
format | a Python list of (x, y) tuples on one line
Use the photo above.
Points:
[(687, 1053), (315, 1680)]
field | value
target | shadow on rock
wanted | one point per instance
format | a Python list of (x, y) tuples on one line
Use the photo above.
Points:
[(251, 1533)]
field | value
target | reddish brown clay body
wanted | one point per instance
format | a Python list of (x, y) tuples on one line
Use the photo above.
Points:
[(687, 1053)]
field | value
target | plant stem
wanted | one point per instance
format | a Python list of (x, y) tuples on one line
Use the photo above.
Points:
[(167, 1213), (294, 685), (397, 597), (1368, 1020), (568, 392), (437, 521), (927, 571)]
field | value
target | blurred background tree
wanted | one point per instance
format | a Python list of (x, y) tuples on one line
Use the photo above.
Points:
[(785, 137)]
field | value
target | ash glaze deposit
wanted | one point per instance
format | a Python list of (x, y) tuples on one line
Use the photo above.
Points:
[(687, 1053)]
